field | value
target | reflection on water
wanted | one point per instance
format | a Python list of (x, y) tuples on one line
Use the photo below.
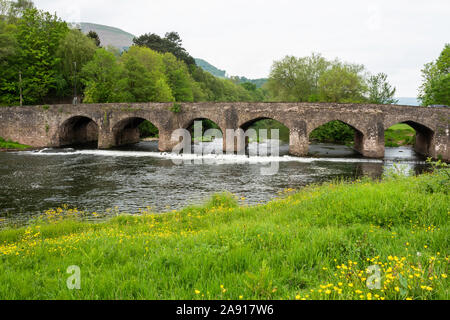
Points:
[(139, 176)]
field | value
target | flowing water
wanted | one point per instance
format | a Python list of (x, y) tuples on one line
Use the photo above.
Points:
[(139, 176)]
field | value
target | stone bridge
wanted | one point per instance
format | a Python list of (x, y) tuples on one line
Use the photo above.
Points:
[(117, 124)]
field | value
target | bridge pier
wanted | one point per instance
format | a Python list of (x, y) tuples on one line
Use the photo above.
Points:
[(105, 140), (298, 143), (439, 146), (165, 143), (370, 146)]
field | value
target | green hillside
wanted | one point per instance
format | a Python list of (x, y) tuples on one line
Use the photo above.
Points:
[(205, 65), (210, 68)]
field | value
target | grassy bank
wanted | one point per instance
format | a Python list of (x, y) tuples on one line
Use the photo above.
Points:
[(314, 244), (10, 145), (400, 135)]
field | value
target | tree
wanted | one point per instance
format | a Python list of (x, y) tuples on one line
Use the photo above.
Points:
[(8, 43), (435, 88), (380, 91), (38, 36), (296, 79), (105, 79), (342, 83), (147, 80), (19, 7), (8, 51), (171, 43), (94, 36), (74, 51), (178, 78)]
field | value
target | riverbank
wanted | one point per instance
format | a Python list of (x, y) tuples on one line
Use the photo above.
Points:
[(313, 244), (12, 146)]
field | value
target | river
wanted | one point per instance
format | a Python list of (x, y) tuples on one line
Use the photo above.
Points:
[(139, 176)]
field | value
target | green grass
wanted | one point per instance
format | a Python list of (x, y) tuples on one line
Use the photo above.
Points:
[(400, 135), (8, 144), (311, 244)]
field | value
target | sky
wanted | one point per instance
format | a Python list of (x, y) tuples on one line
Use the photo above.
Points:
[(396, 37)]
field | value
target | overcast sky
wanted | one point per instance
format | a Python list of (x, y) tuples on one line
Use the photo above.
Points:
[(244, 37)]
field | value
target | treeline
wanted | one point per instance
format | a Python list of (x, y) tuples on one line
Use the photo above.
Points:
[(316, 79), (43, 60)]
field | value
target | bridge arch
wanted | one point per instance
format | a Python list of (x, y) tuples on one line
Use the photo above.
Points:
[(78, 130), (358, 135), (425, 135), (274, 123), (313, 125), (128, 131)]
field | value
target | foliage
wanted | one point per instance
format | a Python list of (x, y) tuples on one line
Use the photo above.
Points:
[(146, 75), (37, 35), (380, 91), (269, 125), (342, 83), (175, 108), (171, 43), (44, 50), (440, 182), (94, 36), (74, 51), (435, 88), (315, 79), (104, 79), (148, 129), (333, 132), (297, 79), (294, 247)]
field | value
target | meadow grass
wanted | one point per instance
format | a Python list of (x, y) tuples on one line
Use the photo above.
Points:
[(400, 135), (315, 243), (7, 145)]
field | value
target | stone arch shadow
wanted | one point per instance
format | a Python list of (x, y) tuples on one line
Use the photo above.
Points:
[(78, 130), (126, 131)]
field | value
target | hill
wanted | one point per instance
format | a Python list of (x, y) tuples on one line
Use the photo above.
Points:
[(109, 36), (210, 68)]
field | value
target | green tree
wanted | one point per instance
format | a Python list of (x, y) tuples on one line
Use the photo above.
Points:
[(296, 79), (342, 83), (8, 51), (74, 51), (105, 79), (146, 73), (380, 91), (94, 36), (171, 43), (38, 36), (178, 78), (435, 88), (8, 43)]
